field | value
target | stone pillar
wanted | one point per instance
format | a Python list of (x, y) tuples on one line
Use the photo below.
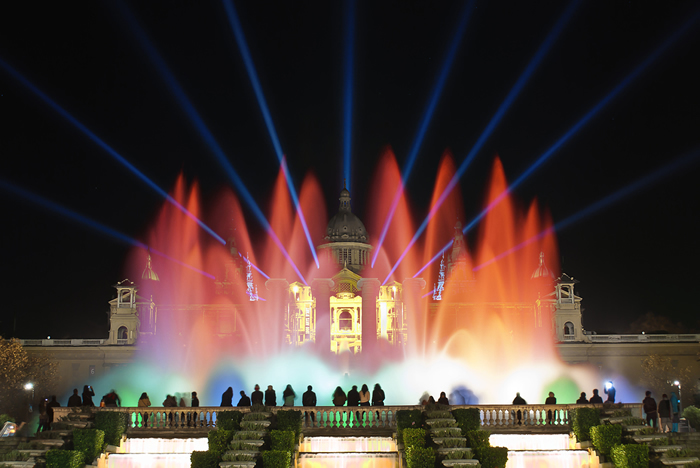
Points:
[(272, 328), (413, 313), (321, 288), (370, 291)]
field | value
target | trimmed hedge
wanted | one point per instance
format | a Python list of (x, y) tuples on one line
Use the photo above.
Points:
[(289, 420), (65, 459), (282, 441), (478, 438), (582, 420), (692, 414), (275, 459), (414, 419), (219, 439), (491, 457), (90, 442), (630, 455), (113, 424), (204, 459), (420, 457), (605, 437), (229, 420), (468, 419), (414, 437)]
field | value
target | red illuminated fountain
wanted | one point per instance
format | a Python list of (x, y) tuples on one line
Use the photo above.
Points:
[(491, 333)]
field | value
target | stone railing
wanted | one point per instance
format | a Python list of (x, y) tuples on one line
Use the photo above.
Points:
[(664, 338), (78, 342), (344, 417)]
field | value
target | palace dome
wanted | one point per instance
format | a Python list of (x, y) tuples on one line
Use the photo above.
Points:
[(346, 226)]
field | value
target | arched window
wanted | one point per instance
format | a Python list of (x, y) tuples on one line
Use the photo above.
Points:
[(568, 329), (345, 320), (122, 333)]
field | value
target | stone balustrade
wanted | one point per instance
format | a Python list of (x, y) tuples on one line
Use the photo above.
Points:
[(493, 417)]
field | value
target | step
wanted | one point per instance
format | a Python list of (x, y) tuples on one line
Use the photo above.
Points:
[(680, 461), (245, 464), (19, 464), (460, 462), (52, 442), (430, 422), (33, 452), (664, 448), (646, 438)]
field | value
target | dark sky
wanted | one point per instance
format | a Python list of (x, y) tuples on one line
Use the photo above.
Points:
[(636, 256)]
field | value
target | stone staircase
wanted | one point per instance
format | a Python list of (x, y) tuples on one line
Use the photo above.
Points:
[(244, 450), (452, 447)]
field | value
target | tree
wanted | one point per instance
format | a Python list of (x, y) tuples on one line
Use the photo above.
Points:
[(652, 323), (659, 371), (17, 368)]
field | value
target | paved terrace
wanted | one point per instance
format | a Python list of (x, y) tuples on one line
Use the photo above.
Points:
[(344, 421)]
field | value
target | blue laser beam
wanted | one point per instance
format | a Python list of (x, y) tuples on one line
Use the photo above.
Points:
[(68, 213), (427, 117), (347, 90), (254, 266), (205, 133), (646, 181), (581, 123), (493, 123), (111, 151), (252, 74)]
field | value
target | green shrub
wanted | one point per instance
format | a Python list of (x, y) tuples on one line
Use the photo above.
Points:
[(468, 419), (237, 457), (255, 417), (243, 445), (621, 413), (459, 455), (692, 414), (491, 457), (442, 423), (420, 457), (478, 438), (276, 459), (247, 435), (454, 443), (219, 440), (605, 437), (408, 418), (630, 456), (693, 464), (443, 414), (673, 453), (258, 408), (282, 441), (113, 424), (5, 418), (659, 442), (229, 420), (446, 432), (14, 455), (413, 437), (90, 442), (582, 419), (289, 420), (646, 431), (204, 459), (65, 458), (633, 422)]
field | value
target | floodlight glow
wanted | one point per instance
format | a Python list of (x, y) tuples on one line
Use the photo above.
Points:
[(68, 213), (423, 127), (608, 384), (493, 123), (86, 131), (28, 386), (676, 383), (347, 91), (208, 137), (250, 68)]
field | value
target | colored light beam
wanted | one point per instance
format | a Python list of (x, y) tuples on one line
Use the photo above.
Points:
[(493, 123), (68, 213), (254, 266), (204, 133), (111, 151), (648, 180), (423, 127), (347, 91), (250, 68)]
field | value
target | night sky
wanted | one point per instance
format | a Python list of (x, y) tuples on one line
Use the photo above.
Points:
[(632, 257)]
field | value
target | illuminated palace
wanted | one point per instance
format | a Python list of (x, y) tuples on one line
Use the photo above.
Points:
[(345, 312)]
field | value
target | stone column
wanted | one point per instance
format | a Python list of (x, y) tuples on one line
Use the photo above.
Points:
[(321, 288), (370, 291), (272, 329), (413, 313)]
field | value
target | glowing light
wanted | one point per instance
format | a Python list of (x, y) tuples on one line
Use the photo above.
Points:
[(68, 213), (29, 386), (423, 127), (347, 94), (493, 123), (86, 131), (250, 68)]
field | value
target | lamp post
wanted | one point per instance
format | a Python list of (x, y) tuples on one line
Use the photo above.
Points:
[(680, 399), (29, 387)]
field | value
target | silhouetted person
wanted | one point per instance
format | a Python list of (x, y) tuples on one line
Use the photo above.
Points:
[(270, 396), (309, 399), (244, 401), (443, 399), (582, 399), (74, 399), (518, 400), (377, 396), (665, 414), (354, 400), (170, 402), (227, 397), (289, 396), (431, 400), (88, 393), (112, 400), (675, 409), (610, 392), (195, 400), (144, 402), (365, 396), (43, 416), (256, 397), (551, 400), (195, 404), (339, 397), (649, 406), (595, 399), (49, 409)]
